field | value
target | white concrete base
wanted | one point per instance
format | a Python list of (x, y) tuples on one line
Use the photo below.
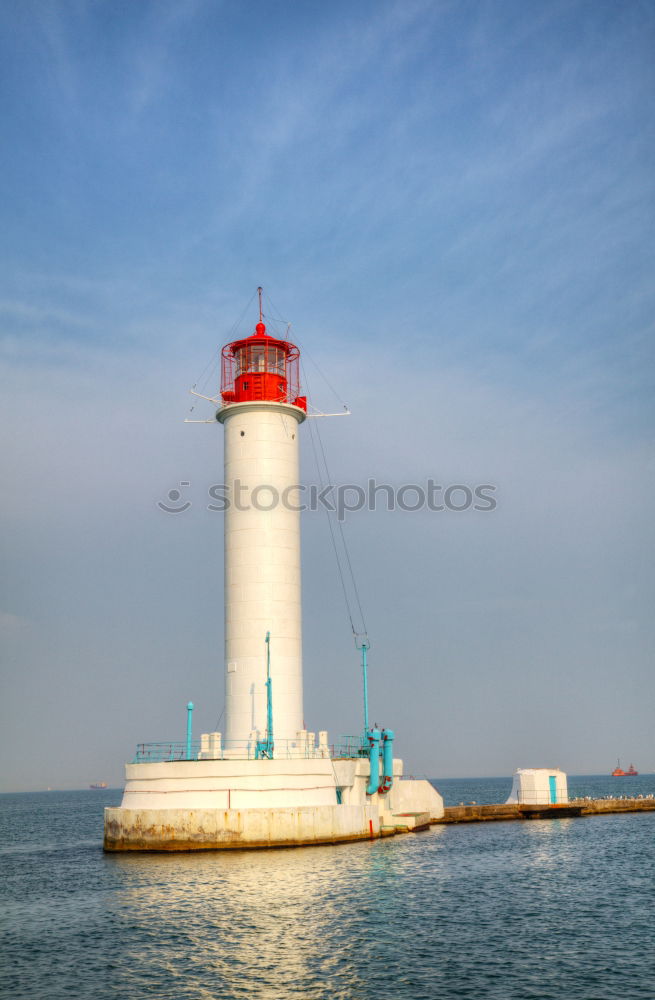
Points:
[(212, 829), (210, 804)]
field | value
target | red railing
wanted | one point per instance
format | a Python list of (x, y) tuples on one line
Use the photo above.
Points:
[(261, 368)]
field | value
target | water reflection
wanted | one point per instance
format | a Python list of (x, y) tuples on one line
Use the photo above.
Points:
[(500, 911), (439, 914), (549, 841), (259, 924)]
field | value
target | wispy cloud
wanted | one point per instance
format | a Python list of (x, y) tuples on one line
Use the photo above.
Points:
[(39, 316), (450, 201), (152, 71)]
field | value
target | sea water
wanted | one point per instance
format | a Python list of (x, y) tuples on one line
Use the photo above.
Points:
[(539, 909)]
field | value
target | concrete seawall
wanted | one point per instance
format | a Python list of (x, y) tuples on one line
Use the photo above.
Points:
[(514, 811), (229, 829), (592, 807), (220, 829)]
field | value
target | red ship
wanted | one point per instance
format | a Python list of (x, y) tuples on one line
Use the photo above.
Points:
[(618, 772)]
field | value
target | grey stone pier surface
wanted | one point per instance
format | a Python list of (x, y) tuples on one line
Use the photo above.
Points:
[(515, 811)]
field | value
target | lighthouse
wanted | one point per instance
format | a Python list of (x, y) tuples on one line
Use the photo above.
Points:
[(261, 413), (264, 781)]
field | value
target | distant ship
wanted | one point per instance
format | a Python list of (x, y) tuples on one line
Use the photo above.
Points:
[(99, 784), (618, 772)]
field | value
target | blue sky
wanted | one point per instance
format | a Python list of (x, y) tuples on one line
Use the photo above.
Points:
[(452, 204)]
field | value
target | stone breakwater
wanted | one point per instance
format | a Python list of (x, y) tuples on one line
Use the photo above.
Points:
[(474, 813)]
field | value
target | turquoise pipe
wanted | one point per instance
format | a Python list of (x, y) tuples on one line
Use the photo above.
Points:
[(364, 646), (269, 696), (189, 729), (387, 760), (264, 748), (373, 736)]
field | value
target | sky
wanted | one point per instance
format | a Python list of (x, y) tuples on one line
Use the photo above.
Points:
[(452, 203)]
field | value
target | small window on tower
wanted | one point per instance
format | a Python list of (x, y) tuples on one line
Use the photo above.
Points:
[(245, 385)]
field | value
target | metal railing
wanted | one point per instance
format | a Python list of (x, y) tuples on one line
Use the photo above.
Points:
[(542, 797), (345, 747), (350, 747)]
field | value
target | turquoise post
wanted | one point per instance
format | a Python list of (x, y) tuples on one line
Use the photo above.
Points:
[(269, 696), (387, 759), (189, 729), (373, 736), (264, 748), (364, 645)]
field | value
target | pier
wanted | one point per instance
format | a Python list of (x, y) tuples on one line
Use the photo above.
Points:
[(508, 811)]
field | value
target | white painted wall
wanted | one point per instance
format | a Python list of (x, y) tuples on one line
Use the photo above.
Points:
[(352, 777), (531, 786), (415, 795), (262, 572), (230, 784)]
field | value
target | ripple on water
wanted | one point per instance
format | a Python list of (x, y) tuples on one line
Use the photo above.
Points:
[(545, 909)]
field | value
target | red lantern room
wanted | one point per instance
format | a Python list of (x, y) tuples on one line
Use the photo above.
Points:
[(261, 368)]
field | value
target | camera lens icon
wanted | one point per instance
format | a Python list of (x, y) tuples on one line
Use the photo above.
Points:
[(176, 504)]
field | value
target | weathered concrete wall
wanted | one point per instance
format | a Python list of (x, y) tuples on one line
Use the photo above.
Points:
[(477, 814), (416, 795), (592, 807), (212, 829)]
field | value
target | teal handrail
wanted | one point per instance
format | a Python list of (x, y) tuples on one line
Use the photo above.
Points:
[(344, 747)]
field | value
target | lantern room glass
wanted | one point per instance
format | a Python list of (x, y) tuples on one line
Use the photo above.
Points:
[(259, 358)]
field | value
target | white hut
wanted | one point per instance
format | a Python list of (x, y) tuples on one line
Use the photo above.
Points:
[(537, 786)]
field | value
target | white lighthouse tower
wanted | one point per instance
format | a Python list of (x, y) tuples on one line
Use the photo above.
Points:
[(262, 412), (265, 781)]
